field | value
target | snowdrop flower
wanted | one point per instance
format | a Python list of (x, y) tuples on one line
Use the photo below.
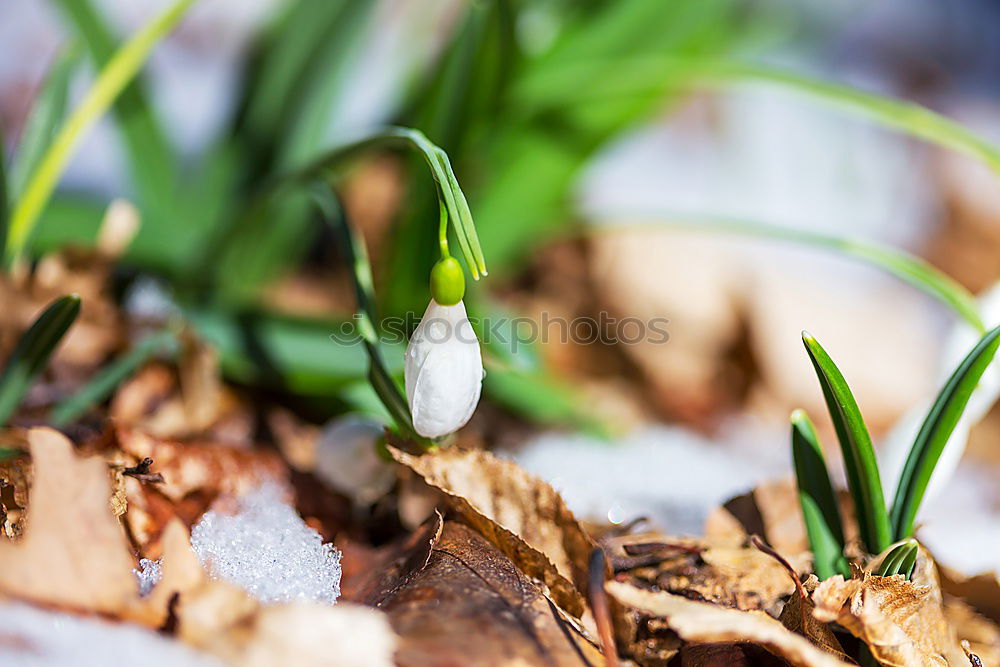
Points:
[(444, 367), (347, 461)]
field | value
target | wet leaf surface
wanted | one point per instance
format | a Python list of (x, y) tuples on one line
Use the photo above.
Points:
[(470, 605)]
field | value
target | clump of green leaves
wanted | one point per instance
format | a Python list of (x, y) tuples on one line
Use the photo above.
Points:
[(878, 526)]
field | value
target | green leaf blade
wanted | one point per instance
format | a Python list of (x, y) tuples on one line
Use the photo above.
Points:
[(113, 79), (908, 268), (33, 351), (820, 511), (935, 432), (107, 380), (856, 446), (47, 114)]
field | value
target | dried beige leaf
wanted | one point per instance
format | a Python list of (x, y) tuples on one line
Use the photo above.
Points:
[(181, 573), (733, 576), (772, 511), (519, 513), (73, 552), (901, 621), (798, 617), (344, 635), (981, 634), (120, 225), (227, 622), (709, 623)]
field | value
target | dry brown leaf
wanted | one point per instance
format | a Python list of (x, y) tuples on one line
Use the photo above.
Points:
[(394, 565), (184, 403), (771, 510), (798, 617), (295, 438), (15, 480), (740, 577), (188, 467), (470, 605), (522, 515), (982, 634), (181, 573), (344, 635), (901, 621), (73, 552), (705, 622), (981, 591)]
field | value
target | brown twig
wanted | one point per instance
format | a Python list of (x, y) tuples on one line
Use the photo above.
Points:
[(141, 472), (599, 604), (759, 543)]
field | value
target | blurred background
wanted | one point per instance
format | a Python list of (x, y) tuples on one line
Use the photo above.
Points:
[(590, 159)]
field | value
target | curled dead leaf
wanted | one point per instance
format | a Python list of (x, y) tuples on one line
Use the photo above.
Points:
[(520, 514), (901, 621), (703, 622), (740, 577)]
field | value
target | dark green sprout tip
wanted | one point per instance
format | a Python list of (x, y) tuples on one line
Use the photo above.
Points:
[(901, 559)]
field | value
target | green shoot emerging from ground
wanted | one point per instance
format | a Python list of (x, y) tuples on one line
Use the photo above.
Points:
[(877, 526)]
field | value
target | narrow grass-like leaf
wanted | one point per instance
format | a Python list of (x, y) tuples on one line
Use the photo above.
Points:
[(818, 499), (152, 161), (107, 380), (906, 267), (354, 253), (46, 115), (33, 351), (910, 118), (856, 446), (935, 431), (4, 197), (113, 78)]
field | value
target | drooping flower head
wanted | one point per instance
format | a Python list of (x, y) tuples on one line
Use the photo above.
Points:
[(444, 365)]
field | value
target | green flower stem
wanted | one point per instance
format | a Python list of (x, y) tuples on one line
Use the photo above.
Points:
[(443, 231), (449, 192)]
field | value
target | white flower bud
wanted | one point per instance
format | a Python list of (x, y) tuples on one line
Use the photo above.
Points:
[(444, 371), (346, 459)]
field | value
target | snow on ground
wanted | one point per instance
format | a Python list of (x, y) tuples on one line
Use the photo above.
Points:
[(671, 475), (32, 637), (266, 549)]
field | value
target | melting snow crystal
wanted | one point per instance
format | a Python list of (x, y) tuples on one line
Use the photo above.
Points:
[(266, 549), (149, 574)]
